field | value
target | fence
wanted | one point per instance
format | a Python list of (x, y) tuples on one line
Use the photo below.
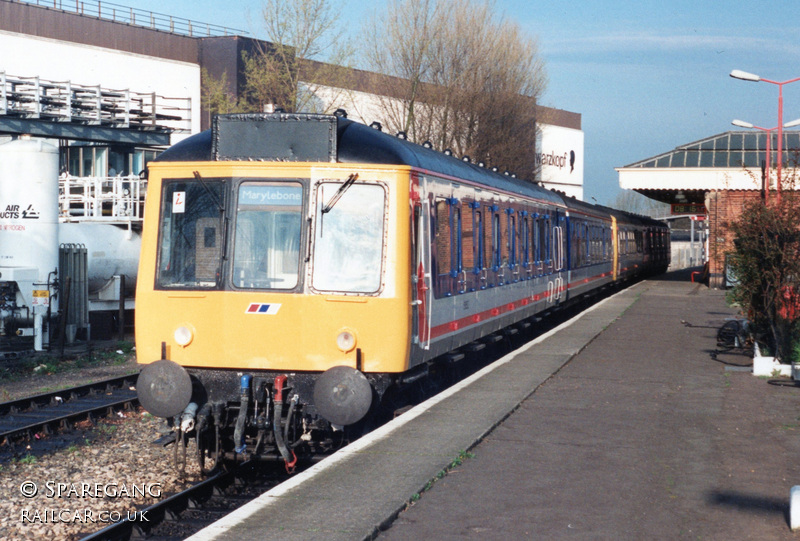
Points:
[(137, 17), (33, 97), (101, 199)]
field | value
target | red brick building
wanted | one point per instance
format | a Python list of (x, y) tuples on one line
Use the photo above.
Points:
[(713, 178)]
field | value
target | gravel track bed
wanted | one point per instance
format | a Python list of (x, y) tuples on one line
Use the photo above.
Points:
[(114, 470), (102, 472)]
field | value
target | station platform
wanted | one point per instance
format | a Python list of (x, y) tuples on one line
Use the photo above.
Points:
[(622, 423)]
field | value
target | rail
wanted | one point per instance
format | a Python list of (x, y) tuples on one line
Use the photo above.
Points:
[(119, 13), (65, 101), (191, 510), (55, 410), (118, 200)]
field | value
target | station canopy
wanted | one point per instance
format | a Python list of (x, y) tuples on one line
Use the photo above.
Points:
[(727, 161)]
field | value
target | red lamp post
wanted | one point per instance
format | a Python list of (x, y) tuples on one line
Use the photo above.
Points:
[(743, 75)]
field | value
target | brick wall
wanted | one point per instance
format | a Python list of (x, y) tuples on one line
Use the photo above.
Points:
[(723, 207)]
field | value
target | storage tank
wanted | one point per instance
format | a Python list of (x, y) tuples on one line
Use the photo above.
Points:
[(111, 250), (29, 206), (31, 232), (28, 236)]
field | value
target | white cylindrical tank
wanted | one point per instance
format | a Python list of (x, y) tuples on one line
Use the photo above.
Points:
[(29, 206), (111, 250)]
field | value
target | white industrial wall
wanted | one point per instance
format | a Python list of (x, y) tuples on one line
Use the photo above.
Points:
[(360, 106), (558, 170), (30, 56)]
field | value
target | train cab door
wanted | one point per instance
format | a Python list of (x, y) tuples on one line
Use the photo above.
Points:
[(556, 285), (493, 245), (422, 292)]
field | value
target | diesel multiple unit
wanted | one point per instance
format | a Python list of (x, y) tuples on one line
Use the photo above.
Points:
[(296, 269)]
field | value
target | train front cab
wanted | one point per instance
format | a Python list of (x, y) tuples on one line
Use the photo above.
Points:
[(274, 269)]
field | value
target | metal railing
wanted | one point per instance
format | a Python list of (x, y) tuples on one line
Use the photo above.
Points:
[(33, 97), (119, 13), (101, 199)]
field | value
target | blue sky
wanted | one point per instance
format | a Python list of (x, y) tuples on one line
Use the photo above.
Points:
[(646, 75)]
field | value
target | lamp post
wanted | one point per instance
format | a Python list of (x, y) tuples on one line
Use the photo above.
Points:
[(768, 131), (743, 75)]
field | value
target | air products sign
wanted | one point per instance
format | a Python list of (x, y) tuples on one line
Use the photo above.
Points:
[(15, 212)]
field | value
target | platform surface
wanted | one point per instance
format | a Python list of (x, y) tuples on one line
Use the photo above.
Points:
[(619, 425)]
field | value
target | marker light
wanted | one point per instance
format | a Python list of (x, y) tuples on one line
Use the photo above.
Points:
[(346, 341), (183, 336)]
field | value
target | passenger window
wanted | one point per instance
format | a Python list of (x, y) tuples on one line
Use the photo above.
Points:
[(442, 239), (467, 236), (504, 242), (478, 238), (547, 235), (525, 241), (496, 241), (455, 238), (512, 239)]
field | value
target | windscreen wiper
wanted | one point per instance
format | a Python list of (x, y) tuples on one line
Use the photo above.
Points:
[(209, 191), (339, 193)]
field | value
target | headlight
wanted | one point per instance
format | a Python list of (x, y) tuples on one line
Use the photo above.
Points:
[(183, 336), (346, 341)]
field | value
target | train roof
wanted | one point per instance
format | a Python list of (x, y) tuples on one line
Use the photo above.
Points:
[(311, 137), (621, 215), (587, 208)]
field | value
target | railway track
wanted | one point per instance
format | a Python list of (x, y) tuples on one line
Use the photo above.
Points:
[(185, 513), (48, 412)]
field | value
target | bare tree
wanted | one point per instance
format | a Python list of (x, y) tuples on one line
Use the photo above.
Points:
[(285, 73), (405, 62), (471, 79)]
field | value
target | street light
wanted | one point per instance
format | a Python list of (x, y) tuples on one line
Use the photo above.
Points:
[(743, 124), (745, 76)]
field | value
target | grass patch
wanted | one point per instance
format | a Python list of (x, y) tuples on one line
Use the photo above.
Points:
[(28, 459), (457, 461), (106, 429)]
